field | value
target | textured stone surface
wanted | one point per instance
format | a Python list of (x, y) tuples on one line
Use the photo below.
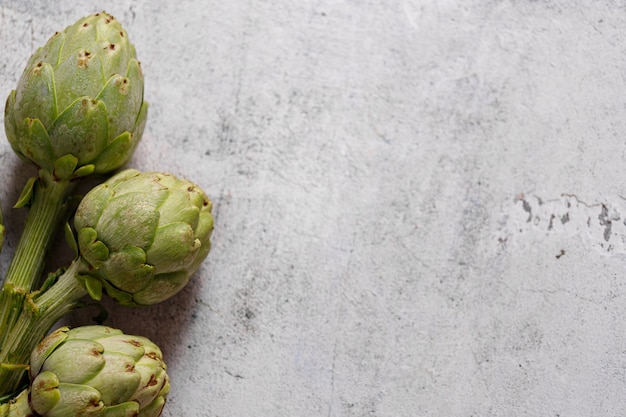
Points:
[(419, 205)]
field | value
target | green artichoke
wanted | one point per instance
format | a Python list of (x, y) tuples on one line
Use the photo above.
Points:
[(140, 238), (143, 235), (78, 107), (97, 371), (93, 371)]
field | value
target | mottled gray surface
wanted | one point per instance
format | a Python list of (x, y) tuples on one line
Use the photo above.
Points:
[(419, 205)]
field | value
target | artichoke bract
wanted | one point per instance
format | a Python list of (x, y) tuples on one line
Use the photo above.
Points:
[(93, 371), (143, 235), (78, 106), (17, 406)]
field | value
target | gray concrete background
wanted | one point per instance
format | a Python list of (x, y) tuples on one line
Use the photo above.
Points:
[(419, 205)]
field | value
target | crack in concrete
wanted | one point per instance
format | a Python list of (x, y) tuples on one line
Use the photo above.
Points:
[(567, 214)]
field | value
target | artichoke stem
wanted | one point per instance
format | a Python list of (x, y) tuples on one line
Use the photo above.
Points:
[(24, 272), (38, 315)]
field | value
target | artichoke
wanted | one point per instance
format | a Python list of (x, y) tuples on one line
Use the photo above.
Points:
[(78, 106), (97, 370), (140, 238), (143, 235), (93, 371)]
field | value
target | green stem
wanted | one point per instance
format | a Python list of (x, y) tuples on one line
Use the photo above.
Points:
[(45, 214), (39, 314)]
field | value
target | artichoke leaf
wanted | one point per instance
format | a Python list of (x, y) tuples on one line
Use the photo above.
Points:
[(78, 362), (198, 198), (80, 75), (171, 209), (93, 286), (200, 255), (84, 33), (148, 390), (36, 96), (70, 239), (174, 246), (26, 196), (107, 27), (46, 347), (121, 177), (45, 394), (124, 97), (74, 400), (147, 186), (162, 287), (93, 332), (127, 409), (81, 130), (10, 127), (51, 51), (84, 171), (115, 55), (204, 229), (155, 408), (129, 220), (34, 143), (127, 269), (115, 154), (87, 215), (64, 167), (126, 344), (118, 380), (92, 250), (118, 295), (140, 124)]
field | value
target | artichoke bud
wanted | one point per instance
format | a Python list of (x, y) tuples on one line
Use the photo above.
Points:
[(81, 95), (143, 235), (97, 370)]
